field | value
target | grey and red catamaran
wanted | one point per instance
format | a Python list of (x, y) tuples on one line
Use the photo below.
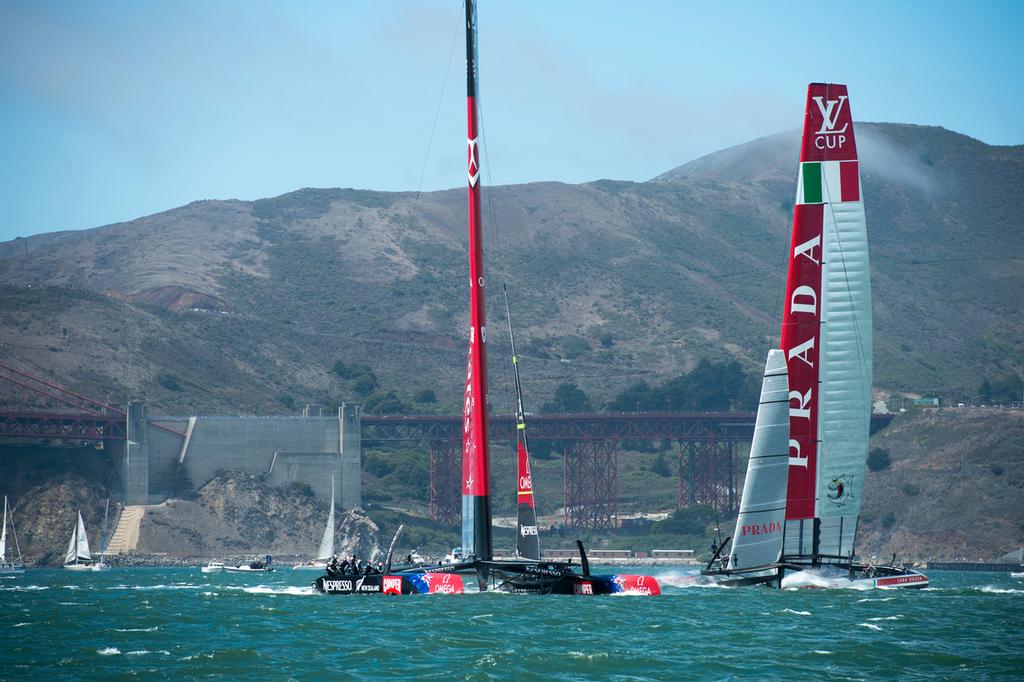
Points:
[(803, 489)]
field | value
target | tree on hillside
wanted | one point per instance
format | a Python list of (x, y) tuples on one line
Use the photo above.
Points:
[(1005, 390), (568, 399), (708, 386), (878, 459)]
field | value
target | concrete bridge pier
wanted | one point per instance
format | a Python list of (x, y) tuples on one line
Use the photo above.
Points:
[(135, 458), (350, 445)]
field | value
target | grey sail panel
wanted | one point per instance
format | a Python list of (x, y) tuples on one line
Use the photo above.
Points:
[(845, 389), (757, 540)]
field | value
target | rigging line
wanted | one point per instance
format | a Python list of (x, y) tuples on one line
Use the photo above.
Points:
[(495, 233), (440, 101)]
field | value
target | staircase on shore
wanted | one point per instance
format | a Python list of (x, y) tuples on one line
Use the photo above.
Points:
[(126, 534)]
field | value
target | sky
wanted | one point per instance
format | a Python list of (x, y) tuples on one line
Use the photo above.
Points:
[(118, 109)]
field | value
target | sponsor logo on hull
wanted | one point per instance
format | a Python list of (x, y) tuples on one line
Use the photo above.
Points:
[(902, 580), (585, 587), (636, 584)]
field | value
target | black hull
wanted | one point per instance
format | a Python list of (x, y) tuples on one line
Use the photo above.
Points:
[(360, 584), (735, 579)]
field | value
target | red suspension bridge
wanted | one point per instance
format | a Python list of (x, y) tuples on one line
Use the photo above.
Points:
[(706, 445)]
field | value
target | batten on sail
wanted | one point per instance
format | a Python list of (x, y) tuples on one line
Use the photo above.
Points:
[(757, 541)]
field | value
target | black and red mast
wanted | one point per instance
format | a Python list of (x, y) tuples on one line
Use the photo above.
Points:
[(476, 505)]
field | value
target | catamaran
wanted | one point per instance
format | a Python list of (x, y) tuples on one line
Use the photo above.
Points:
[(78, 557), (527, 572), (802, 495), (15, 563), (326, 550)]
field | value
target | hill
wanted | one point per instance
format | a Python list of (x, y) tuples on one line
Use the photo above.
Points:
[(233, 306)]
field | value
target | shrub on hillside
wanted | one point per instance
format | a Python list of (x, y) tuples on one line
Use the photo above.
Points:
[(878, 459)]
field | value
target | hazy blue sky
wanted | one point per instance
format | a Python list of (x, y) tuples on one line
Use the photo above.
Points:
[(112, 110)]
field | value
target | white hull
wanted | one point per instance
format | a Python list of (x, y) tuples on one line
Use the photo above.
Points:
[(246, 569), (78, 567), (213, 568), (101, 567), (1017, 575), (11, 569), (862, 578), (313, 566)]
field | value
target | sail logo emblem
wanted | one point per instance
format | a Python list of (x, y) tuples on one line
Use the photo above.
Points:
[(827, 136), (474, 162), (840, 490), (528, 530)]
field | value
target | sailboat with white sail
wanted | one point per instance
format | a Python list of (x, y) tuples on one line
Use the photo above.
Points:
[(78, 557), (14, 564), (802, 518), (101, 565), (326, 550)]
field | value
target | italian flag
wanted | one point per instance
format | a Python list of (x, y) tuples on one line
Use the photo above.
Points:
[(828, 182)]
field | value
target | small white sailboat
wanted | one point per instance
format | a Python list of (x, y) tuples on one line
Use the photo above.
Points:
[(100, 566), (78, 557), (15, 564), (326, 550)]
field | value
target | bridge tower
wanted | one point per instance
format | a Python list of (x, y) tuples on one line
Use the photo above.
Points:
[(590, 483), (445, 475)]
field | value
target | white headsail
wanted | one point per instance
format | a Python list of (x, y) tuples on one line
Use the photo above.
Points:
[(78, 547), (3, 535), (758, 538), (326, 550)]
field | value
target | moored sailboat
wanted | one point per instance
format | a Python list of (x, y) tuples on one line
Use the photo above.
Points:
[(14, 564), (101, 565)]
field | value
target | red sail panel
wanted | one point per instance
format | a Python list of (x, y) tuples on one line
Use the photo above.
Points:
[(801, 342), (828, 125), (524, 491)]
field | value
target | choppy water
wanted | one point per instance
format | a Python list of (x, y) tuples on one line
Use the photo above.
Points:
[(126, 624)]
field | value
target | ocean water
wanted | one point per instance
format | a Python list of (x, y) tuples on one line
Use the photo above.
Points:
[(179, 623)]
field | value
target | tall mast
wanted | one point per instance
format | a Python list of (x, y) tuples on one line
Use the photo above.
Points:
[(527, 540), (476, 507)]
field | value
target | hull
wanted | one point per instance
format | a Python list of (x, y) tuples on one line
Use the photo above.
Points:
[(558, 578), (725, 578), (578, 585), (857, 576), (414, 583), (212, 569), (247, 569), (101, 567), (314, 566), (78, 567), (11, 568)]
